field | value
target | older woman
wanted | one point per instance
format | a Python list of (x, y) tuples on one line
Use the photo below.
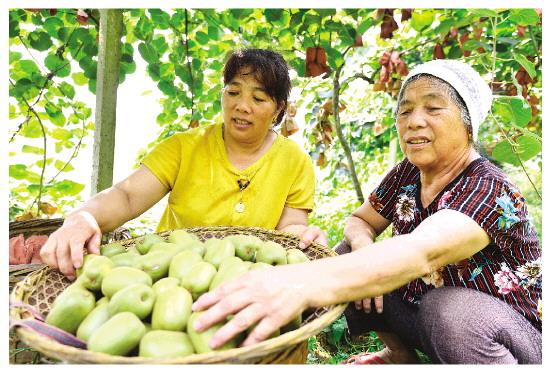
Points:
[(239, 172), (460, 277)]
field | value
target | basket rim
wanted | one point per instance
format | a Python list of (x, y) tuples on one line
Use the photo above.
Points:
[(55, 349)]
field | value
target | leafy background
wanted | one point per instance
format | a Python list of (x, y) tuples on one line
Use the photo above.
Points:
[(344, 100)]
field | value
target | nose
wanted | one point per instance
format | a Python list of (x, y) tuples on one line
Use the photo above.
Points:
[(416, 119), (243, 105)]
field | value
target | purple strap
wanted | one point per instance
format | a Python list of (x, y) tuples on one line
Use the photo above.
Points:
[(39, 326), (37, 315)]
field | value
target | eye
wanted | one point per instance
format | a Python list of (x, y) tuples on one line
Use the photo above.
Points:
[(232, 93), (433, 110), (259, 99), (404, 112)]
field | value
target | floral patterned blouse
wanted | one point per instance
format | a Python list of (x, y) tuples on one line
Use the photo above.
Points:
[(509, 268)]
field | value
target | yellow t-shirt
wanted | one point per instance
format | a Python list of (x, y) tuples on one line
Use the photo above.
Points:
[(204, 187)]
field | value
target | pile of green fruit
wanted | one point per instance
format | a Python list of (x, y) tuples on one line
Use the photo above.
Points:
[(136, 300)]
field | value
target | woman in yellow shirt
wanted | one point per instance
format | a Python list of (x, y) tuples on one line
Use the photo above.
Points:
[(236, 173)]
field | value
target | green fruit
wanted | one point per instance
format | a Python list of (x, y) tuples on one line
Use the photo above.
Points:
[(217, 250), (229, 272), (136, 298), (97, 317), (125, 259), (271, 253), (229, 262), (70, 308), (180, 236), (182, 263), (294, 256), (117, 336), (165, 284), (200, 340), (144, 245), (194, 245), (172, 309), (260, 265), (93, 270), (155, 263), (120, 277), (112, 248), (165, 344), (171, 248), (198, 279), (132, 249), (245, 246)]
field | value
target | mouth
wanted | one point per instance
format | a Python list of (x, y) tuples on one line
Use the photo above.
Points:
[(417, 142), (241, 123)]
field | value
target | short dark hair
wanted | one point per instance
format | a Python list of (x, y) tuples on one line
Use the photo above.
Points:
[(269, 68), (451, 91)]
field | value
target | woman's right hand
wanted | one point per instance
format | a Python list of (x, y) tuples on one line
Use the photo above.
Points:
[(64, 249), (366, 304)]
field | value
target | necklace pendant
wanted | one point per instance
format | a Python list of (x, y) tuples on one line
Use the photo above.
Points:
[(240, 207)]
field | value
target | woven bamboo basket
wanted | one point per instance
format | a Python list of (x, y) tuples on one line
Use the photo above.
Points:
[(41, 287)]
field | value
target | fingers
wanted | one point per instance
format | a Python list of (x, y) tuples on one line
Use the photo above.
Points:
[(262, 331), (312, 234), (77, 252), (212, 297), (47, 253), (64, 261), (358, 305), (367, 302), (241, 322), (94, 243), (378, 304)]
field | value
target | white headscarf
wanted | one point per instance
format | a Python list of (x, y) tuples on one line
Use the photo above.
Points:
[(466, 81)]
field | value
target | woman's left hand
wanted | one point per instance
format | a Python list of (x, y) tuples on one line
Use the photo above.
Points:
[(268, 299), (312, 234)]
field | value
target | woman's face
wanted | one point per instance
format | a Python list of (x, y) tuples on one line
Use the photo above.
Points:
[(248, 111), (430, 127)]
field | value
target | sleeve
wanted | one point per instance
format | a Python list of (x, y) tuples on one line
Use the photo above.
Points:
[(384, 196), (164, 161), (497, 207), (302, 190)]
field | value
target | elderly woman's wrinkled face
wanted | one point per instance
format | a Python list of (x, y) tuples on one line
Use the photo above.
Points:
[(431, 131), (248, 111)]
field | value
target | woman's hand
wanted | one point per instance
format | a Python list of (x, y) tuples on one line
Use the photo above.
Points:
[(268, 299), (64, 249), (312, 234)]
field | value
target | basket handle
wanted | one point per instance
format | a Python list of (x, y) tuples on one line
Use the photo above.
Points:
[(38, 325), (49, 331), (18, 304)]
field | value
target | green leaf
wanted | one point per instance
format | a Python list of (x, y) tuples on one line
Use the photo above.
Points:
[(144, 29), (58, 66), (32, 129), (202, 37), (422, 19), (526, 148), (160, 18), (273, 14), (148, 53), (79, 78), (514, 110), (32, 149), (40, 40), (167, 87), (22, 172), (483, 12), (527, 65), (61, 134), (15, 56), (67, 90), (52, 25), (524, 17), (28, 66), (59, 165), (66, 188)]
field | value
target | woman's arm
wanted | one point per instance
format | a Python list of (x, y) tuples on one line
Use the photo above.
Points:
[(295, 221), (273, 297), (106, 211), (364, 226)]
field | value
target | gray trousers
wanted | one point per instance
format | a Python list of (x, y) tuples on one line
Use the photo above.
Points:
[(454, 325)]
